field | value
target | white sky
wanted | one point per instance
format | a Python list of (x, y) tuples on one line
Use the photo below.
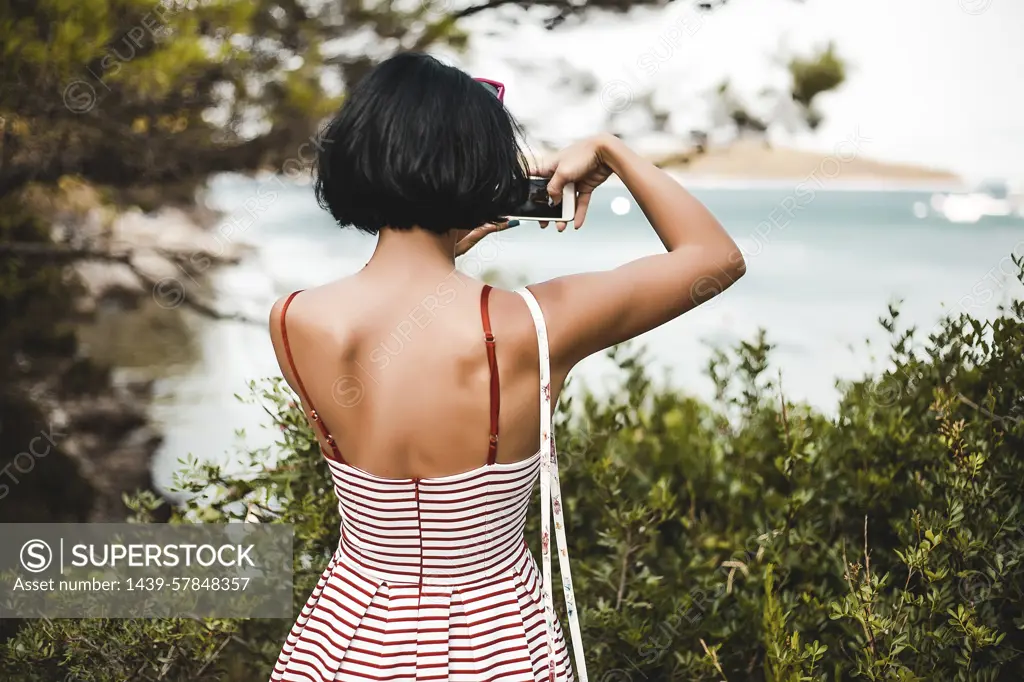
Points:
[(931, 82)]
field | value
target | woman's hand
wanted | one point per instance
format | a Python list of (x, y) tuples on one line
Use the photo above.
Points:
[(471, 238), (582, 163), (591, 311)]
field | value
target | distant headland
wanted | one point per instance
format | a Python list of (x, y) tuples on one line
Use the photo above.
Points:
[(754, 160)]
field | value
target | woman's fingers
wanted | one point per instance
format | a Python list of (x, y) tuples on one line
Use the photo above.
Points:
[(487, 228), (474, 236), (468, 242), (556, 184), (543, 169), (479, 233), (498, 226), (582, 202)]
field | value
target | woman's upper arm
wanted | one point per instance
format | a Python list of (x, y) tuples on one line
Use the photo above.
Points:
[(589, 312), (277, 339)]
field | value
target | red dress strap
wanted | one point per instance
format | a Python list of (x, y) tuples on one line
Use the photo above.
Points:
[(492, 361), (313, 414)]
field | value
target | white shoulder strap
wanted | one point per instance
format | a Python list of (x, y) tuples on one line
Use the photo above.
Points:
[(551, 498)]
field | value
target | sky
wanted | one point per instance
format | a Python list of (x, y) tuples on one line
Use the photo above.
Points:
[(938, 83)]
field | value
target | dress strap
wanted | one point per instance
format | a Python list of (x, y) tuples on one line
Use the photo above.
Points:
[(551, 498), (313, 414), (492, 362)]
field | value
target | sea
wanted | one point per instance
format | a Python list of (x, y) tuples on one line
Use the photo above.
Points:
[(824, 263)]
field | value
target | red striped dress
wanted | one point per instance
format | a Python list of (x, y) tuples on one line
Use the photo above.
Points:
[(432, 578)]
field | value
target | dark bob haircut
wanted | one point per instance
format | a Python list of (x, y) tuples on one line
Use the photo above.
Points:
[(418, 142)]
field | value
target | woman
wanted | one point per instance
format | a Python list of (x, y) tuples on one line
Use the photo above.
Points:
[(432, 579)]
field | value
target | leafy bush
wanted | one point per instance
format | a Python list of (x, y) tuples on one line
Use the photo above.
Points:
[(749, 539)]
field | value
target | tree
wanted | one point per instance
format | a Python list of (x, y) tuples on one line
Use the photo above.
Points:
[(130, 94)]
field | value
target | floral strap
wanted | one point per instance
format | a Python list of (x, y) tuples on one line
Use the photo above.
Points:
[(551, 498)]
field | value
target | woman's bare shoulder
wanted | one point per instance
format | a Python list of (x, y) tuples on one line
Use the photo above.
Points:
[(325, 308)]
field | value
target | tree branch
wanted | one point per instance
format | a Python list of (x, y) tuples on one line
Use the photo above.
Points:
[(624, 569), (493, 4), (62, 254)]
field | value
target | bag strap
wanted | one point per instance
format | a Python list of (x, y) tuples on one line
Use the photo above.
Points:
[(551, 498)]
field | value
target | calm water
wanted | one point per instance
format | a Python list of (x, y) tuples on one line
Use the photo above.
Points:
[(818, 280)]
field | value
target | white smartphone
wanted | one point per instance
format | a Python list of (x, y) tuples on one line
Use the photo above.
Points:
[(539, 206)]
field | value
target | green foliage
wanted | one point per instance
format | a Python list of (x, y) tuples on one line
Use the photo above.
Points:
[(121, 92), (812, 76), (102, 650), (750, 539)]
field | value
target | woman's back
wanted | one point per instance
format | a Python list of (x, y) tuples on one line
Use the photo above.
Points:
[(398, 371)]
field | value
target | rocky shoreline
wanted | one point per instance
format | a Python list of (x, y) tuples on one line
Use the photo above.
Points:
[(97, 440)]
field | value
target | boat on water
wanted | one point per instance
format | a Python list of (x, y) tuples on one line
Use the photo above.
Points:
[(991, 198)]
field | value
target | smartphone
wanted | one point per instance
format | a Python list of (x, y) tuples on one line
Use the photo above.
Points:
[(540, 206)]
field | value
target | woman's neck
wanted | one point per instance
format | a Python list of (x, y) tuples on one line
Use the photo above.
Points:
[(415, 249)]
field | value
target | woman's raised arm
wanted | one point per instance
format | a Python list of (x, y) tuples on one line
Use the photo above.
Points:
[(592, 311)]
